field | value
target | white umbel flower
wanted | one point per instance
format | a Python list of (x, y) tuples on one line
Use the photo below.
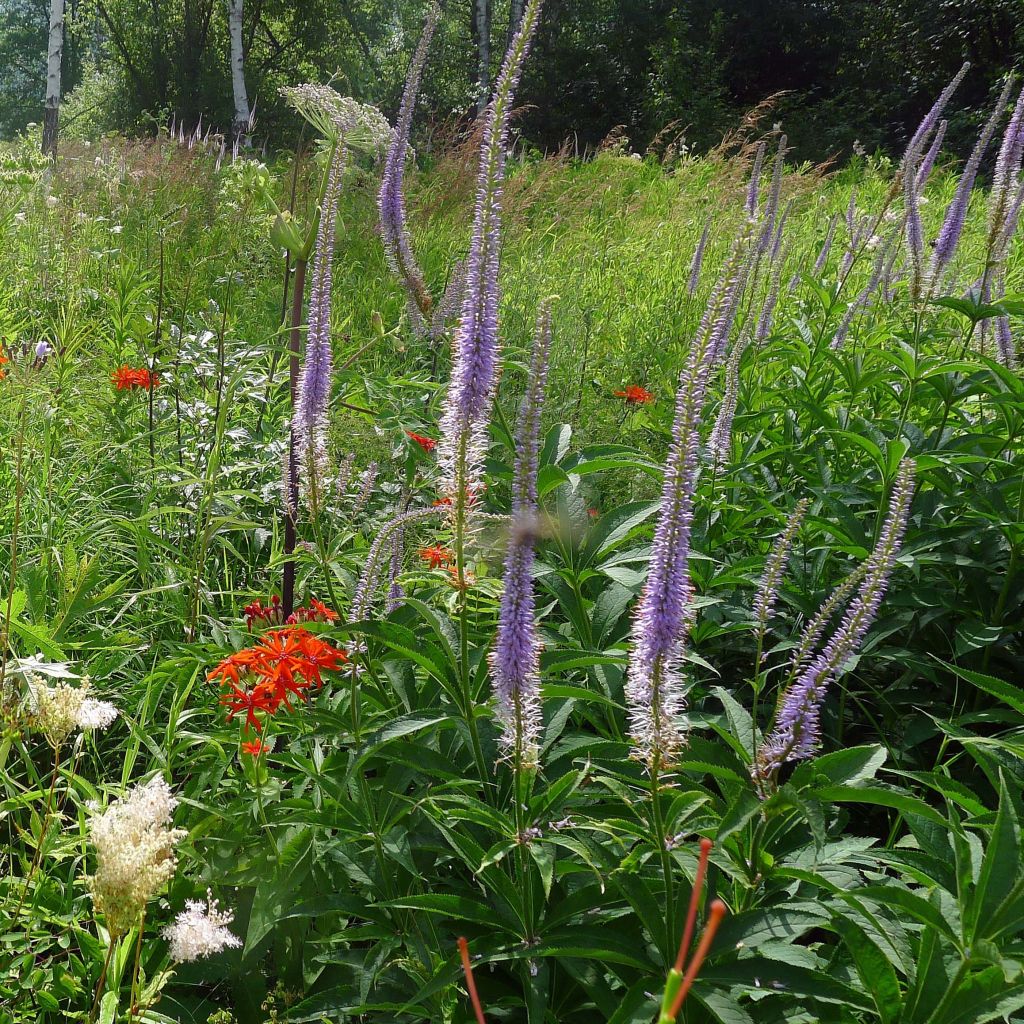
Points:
[(134, 844), (200, 930)]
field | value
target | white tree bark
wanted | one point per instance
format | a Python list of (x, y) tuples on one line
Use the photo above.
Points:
[(482, 38), (515, 16), (54, 55), (241, 97)]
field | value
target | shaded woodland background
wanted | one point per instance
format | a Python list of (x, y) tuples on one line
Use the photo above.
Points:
[(850, 70)]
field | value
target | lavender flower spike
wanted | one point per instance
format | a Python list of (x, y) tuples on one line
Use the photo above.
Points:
[(908, 173), (771, 209), (956, 214), (775, 566), (475, 360), (1011, 151), (391, 199), (755, 183), (797, 728), (925, 170), (664, 615), (315, 383), (515, 659), (826, 246), (698, 258)]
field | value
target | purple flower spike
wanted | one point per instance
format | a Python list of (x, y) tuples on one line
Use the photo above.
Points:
[(753, 188), (826, 246), (314, 395), (775, 567), (475, 362), (515, 660), (908, 172), (925, 170), (391, 199), (698, 258), (654, 684), (956, 214), (771, 208), (797, 729)]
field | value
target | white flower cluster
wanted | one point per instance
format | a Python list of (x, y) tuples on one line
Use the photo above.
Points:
[(134, 844), (200, 930), (360, 126), (57, 711)]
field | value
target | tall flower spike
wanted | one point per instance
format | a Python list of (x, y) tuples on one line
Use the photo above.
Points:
[(720, 439), (515, 659), (391, 198), (877, 273), (925, 170), (311, 412), (956, 213), (826, 246), (908, 173), (771, 208), (664, 614), (1011, 151), (362, 598), (475, 361), (797, 729), (775, 566), (754, 187), (698, 258)]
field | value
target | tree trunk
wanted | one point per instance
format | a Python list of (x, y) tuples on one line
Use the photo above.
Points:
[(54, 54), (241, 125), (515, 16), (482, 42)]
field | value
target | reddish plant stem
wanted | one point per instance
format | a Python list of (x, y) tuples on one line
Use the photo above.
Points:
[(467, 969), (691, 914), (716, 913)]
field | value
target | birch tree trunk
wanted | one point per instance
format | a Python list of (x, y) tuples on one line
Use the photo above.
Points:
[(481, 10), (54, 55), (241, 125)]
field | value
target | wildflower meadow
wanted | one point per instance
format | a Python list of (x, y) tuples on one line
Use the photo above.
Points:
[(443, 581)]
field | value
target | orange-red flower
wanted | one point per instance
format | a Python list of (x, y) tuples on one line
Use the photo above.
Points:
[(273, 614), (3, 373), (435, 557), (285, 663), (635, 395), (428, 444), (127, 378), (254, 747), (442, 501)]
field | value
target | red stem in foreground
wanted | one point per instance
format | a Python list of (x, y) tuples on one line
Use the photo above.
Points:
[(691, 914), (715, 914), (467, 969)]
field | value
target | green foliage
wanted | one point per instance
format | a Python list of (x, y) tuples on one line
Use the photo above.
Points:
[(882, 880)]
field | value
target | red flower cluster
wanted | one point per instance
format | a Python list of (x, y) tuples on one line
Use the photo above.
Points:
[(428, 444), (273, 614), (436, 557), (635, 395), (263, 678), (3, 373), (254, 747), (127, 378)]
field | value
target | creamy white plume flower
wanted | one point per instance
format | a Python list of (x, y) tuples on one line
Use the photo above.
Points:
[(134, 844), (96, 714), (200, 930), (57, 711)]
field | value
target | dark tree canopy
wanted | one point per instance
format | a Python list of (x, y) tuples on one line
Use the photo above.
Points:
[(847, 69)]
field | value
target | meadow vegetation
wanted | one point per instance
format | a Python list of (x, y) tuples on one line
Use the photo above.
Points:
[(730, 547)]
